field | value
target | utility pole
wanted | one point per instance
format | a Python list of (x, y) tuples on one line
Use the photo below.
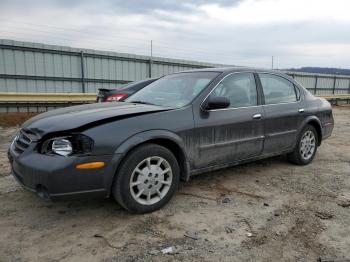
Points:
[(272, 62), (151, 61)]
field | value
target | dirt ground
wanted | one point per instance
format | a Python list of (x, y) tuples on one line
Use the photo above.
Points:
[(264, 211)]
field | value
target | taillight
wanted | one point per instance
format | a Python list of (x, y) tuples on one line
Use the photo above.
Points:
[(116, 97)]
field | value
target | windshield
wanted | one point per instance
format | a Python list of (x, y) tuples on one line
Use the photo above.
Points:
[(176, 90)]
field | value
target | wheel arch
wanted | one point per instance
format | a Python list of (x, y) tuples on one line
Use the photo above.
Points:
[(164, 138), (316, 123)]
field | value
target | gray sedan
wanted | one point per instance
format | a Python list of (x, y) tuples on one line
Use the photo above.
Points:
[(182, 124)]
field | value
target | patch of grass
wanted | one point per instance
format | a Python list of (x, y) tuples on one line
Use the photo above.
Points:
[(14, 119)]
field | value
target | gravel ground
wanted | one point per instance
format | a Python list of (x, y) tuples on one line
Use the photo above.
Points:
[(264, 211)]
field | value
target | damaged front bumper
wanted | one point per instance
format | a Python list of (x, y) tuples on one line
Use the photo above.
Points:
[(56, 177)]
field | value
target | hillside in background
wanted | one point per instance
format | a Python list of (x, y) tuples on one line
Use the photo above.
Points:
[(321, 70)]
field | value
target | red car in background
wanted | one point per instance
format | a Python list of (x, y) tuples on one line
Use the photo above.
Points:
[(121, 93)]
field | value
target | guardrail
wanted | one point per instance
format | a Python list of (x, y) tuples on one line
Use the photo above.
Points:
[(46, 97), (38, 102), (334, 99)]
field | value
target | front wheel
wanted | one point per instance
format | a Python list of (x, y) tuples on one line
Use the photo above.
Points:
[(306, 147), (146, 179)]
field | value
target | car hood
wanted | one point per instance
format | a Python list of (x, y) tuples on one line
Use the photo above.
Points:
[(84, 116)]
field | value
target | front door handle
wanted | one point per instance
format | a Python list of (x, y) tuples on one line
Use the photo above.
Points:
[(257, 116), (301, 110)]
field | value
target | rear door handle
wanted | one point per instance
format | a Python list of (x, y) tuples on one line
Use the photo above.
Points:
[(301, 110), (257, 116)]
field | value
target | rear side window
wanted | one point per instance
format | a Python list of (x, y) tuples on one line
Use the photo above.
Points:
[(240, 89), (277, 89)]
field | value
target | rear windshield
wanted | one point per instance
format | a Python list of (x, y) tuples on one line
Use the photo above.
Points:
[(136, 85)]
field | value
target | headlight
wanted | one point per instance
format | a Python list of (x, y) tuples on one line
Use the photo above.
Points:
[(62, 147), (67, 145)]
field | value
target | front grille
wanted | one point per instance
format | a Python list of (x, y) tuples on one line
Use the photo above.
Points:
[(21, 142)]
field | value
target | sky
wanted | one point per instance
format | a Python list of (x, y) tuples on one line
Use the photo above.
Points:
[(296, 33)]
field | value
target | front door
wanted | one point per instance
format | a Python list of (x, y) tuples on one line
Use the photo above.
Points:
[(226, 135)]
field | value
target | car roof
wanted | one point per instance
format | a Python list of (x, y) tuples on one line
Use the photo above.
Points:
[(233, 70)]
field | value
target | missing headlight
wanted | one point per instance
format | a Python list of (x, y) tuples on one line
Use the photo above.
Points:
[(67, 145), (62, 147)]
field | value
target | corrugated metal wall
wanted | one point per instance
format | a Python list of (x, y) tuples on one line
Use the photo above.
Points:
[(33, 67), (322, 84)]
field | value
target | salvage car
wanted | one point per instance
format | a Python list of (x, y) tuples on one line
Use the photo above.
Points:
[(182, 124), (121, 93)]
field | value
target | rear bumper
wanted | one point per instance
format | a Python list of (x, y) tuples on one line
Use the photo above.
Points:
[(327, 129), (56, 178)]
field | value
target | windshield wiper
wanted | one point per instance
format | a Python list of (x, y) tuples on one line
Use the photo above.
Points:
[(141, 102)]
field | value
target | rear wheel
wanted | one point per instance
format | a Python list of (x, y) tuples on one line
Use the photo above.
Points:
[(147, 179), (306, 147)]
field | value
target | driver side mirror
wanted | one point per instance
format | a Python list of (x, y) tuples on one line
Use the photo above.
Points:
[(217, 102)]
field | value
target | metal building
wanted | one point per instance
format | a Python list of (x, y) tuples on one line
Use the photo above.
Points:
[(33, 67)]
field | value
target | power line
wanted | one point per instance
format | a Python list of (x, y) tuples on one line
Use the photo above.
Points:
[(159, 43), (96, 44), (53, 35), (183, 52)]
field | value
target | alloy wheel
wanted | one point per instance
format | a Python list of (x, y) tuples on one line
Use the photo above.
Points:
[(307, 145), (151, 180)]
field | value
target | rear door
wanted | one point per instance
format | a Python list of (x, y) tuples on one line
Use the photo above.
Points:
[(226, 135), (283, 112)]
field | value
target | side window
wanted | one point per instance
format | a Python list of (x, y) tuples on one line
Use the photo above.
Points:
[(240, 89), (277, 89)]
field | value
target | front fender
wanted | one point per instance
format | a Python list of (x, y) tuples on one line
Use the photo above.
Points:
[(150, 135), (143, 137)]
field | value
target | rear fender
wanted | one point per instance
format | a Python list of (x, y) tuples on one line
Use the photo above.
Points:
[(308, 120)]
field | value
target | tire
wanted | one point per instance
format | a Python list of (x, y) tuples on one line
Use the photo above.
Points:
[(139, 185), (300, 156)]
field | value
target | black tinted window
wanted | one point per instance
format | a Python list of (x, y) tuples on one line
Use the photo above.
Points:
[(137, 85), (277, 89), (240, 89)]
